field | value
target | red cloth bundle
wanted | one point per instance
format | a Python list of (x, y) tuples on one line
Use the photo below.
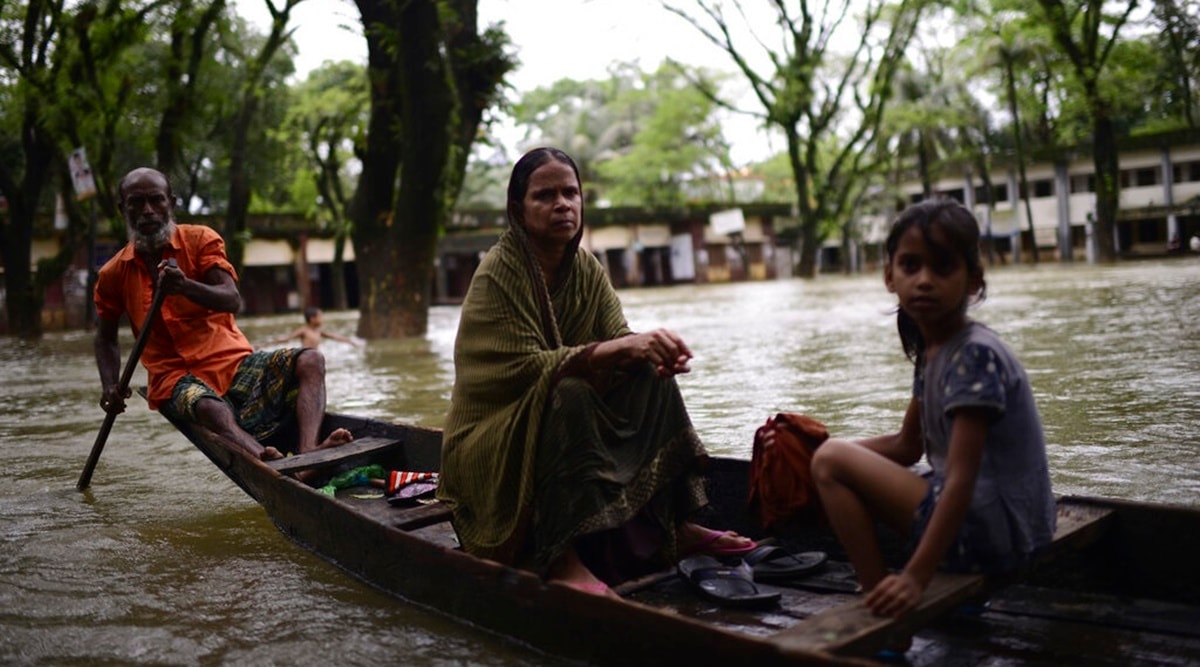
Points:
[(781, 483)]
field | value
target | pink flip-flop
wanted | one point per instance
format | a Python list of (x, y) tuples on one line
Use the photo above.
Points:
[(708, 545)]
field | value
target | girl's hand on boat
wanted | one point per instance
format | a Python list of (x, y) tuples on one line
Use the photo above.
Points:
[(894, 595)]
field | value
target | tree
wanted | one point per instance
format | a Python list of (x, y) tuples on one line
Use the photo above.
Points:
[(805, 92), (1010, 45), (190, 40), (253, 86), (584, 119), (922, 119), (485, 185), (1180, 41), (1087, 35), (29, 158), (639, 138), (432, 75), (330, 120), (126, 81), (61, 75), (776, 173)]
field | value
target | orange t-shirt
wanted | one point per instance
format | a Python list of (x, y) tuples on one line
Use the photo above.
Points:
[(186, 337)]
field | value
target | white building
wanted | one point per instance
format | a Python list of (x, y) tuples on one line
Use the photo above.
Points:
[(1159, 201)]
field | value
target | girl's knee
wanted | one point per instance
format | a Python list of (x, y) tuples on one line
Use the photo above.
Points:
[(831, 455)]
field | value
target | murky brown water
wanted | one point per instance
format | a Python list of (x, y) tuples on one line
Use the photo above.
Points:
[(166, 562)]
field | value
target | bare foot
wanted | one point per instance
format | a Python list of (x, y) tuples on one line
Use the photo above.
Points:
[(338, 438), (570, 571), (693, 538), (270, 454), (598, 588)]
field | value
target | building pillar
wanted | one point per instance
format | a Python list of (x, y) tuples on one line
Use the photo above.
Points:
[(1014, 201), (1062, 187), (1168, 179), (1090, 230)]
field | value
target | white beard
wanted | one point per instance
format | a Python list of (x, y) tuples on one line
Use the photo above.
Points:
[(153, 242)]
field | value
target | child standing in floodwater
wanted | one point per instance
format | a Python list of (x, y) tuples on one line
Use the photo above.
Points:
[(988, 505), (311, 333)]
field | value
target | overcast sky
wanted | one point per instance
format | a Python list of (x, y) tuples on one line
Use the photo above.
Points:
[(553, 39)]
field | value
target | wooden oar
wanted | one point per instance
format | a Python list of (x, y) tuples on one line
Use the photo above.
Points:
[(85, 478)]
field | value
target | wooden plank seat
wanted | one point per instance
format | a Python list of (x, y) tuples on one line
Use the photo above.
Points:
[(851, 629), (324, 458), (420, 516), (402, 517)]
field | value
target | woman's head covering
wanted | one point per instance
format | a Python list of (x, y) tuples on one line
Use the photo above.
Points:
[(518, 185)]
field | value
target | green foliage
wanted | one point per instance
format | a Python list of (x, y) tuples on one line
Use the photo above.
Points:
[(640, 139), (828, 104), (326, 123), (679, 144), (485, 185), (779, 182)]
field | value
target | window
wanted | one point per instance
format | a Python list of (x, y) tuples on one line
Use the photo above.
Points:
[(1187, 171), (1043, 188), (1083, 183), (1139, 178), (1150, 231), (956, 195)]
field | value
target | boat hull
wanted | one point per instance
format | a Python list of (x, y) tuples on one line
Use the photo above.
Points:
[(1112, 557)]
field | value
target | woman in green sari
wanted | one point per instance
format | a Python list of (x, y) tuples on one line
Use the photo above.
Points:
[(568, 450)]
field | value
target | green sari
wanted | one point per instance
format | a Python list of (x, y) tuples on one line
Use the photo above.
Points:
[(538, 450)]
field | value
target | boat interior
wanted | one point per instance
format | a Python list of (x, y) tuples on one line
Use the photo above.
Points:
[(1117, 587)]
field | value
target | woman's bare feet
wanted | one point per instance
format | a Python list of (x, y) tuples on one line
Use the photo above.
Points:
[(692, 538), (569, 570)]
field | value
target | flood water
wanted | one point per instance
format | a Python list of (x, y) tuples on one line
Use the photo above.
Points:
[(165, 562)]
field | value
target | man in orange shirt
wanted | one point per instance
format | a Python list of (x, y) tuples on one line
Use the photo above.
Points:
[(201, 367)]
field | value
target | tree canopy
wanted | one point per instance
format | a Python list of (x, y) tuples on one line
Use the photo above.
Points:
[(380, 153)]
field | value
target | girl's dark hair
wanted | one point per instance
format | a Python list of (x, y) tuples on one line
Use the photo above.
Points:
[(518, 185), (960, 232)]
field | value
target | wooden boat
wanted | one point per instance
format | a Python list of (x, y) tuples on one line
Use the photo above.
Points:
[(1118, 588)]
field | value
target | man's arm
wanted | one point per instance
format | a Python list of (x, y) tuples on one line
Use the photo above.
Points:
[(108, 362), (216, 289)]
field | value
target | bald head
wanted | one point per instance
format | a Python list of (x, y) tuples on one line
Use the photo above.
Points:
[(143, 175), (146, 202)]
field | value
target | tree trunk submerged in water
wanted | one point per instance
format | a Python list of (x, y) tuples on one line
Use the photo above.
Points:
[(412, 113), (431, 74)]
